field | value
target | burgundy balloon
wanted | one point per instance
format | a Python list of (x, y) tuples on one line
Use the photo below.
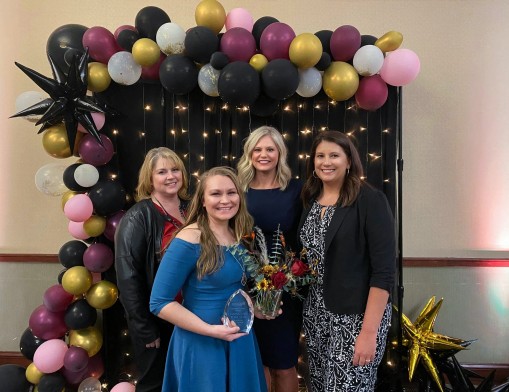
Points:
[(46, 324), (56, 299), (112, 224), (101, 43), (98, 257), (122, 28), (344, 42), (73, 378), (275, 41), (238, 44), (152, 72), (95, 367), (76, 359), (93, 153), (371, 93)]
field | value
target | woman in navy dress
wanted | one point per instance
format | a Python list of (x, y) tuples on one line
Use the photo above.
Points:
[(273, 199), (205, 355)]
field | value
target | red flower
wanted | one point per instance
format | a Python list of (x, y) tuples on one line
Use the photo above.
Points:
[(279, 280), (299, 268)]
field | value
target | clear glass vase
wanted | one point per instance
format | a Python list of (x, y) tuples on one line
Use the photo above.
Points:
[(269, 302)]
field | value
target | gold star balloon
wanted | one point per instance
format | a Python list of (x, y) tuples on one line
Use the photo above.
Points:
[(421, 340)]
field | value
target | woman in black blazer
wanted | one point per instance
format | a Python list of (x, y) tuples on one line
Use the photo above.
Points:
[(347, 226)]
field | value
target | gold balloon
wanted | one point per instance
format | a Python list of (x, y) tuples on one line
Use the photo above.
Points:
[(305, 50), (55, 141), (258, 62), (146, 52), (94, 226), (99, 78), (389, 41), (211, 14), (340, 81), (79, 136), (33, 374), (90, 339), (66, 196), (102, 295), (77, 280)]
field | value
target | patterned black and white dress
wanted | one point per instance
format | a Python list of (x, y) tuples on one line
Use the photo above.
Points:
[(330, 337)]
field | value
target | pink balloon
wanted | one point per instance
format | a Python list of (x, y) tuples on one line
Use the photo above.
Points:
[(239, 17), (77, 231), (112, 224), (56, 299), (98, 257), (123, 387), (275, 41), (152, 72), (238, 44), (101, 43), (99, 120), (344, 42), (400, 67), (371, 93), (49, 356), (76, 359), (93, 153), (122, 28), (79, 208), (46, 324)]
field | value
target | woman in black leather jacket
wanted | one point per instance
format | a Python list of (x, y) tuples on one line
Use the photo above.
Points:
[(140, 239)]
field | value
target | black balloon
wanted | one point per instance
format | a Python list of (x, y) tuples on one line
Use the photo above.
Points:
[(324, 37), (61, 275), (368, 40), (80, 314), (280, 79), (107, 197), (148, 20), (66, 38), (52, 382), (264, 106), (259, 26), (219, 60), (28, 343), (126, 39), (70, 181), (13, 379), (71, 253), (239, 84), (324, 62), (178, 74), (200, 44)]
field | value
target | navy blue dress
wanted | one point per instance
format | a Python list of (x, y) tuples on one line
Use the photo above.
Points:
[(278, 339)]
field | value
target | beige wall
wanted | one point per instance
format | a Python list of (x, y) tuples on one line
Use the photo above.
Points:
[(455, 144)]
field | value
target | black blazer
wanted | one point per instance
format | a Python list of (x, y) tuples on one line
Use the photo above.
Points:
[(360, 252)]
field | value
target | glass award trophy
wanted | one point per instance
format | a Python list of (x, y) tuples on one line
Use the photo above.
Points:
[(239, 311)]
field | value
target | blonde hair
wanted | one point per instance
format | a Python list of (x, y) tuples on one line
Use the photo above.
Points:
[(145, 187), (245, 166), (211, 259)]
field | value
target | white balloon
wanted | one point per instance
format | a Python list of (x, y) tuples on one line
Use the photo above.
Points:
[(27, 99), (208, 78), (170, 38), (86, 175), (49, 179), (310, 82), (123, 69), (368, 60)]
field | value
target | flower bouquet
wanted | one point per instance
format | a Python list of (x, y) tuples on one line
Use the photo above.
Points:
[(271, 274)]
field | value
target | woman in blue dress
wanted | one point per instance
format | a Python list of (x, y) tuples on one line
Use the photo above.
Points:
[(205, 355), (273, 199)]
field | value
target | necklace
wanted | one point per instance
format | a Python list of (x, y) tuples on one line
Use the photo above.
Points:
[(170, 218), (231, 249)]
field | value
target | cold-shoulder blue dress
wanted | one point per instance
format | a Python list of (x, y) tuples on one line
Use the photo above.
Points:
[(197, 362)]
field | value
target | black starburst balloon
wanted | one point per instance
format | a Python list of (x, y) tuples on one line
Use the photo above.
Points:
[(68, 100)]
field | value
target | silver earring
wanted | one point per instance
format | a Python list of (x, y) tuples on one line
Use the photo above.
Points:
[(347, 171), (314, 174)]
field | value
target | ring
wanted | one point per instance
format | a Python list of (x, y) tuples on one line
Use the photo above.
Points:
[(367, 360)]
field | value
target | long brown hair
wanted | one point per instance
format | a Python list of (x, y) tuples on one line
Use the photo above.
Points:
[(352, 183), (211, 259)]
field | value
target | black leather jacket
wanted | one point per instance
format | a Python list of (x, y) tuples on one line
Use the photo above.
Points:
[(137, 256)]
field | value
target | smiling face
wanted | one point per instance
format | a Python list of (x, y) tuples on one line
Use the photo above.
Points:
[(331, 163), (221, 198), (166, 178), (265, 155)]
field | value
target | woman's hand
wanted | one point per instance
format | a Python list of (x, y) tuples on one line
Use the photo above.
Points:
[(365, 348), (258, 313), (155, 344), (224, 332)]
